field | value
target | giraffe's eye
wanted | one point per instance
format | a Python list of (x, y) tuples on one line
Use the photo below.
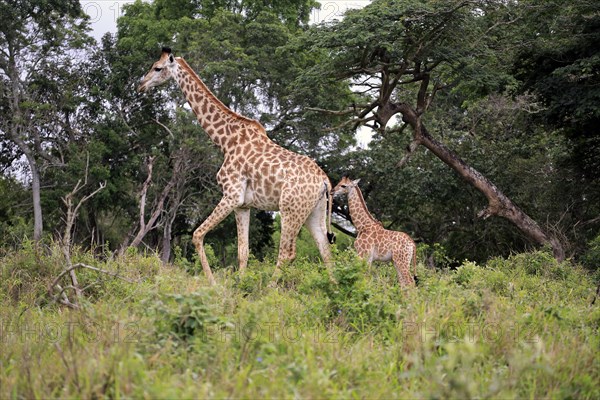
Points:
[(343, 186), (158, 69)]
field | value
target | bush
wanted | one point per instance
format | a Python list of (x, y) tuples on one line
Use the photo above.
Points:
[(520, 327), (27, 274), (591, 258), (182, 316), (464, 273), (354, 303)]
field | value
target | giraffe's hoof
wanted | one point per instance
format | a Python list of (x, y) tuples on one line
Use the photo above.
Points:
[(331, 237)]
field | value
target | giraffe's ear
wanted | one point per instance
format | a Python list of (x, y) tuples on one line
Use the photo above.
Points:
[(356, 182)]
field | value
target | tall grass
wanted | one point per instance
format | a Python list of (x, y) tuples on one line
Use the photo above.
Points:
[(513, 328)]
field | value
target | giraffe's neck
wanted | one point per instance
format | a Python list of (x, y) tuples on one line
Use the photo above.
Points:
[(361, 217), (223, 125)]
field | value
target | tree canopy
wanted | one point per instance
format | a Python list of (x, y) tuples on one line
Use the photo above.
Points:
[(483, 117)]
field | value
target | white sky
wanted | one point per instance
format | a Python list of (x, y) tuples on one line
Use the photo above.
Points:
[(104, 13)]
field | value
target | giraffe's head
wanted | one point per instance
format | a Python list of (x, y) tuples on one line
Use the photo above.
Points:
[(161, 71), (344, 187)]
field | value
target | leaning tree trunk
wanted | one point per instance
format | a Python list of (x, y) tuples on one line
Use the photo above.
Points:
[(498, 203)]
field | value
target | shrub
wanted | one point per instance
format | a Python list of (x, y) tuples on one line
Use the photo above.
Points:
[(464, 273), (493, 331), (437, 253), (182, 316), (254, 279), (536, 263), (27, 274), (591, 258), (353, 302)]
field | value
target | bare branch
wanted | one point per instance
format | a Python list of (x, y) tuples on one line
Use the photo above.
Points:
[(410, 150), (157, 122), (82, 265), (332, 112), (144, 193), (63, 297)]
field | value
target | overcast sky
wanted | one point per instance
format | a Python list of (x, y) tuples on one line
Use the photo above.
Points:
[(104, 13)]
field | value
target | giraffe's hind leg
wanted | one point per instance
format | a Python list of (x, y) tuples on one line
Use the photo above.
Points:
[(402, 261), (317, 226), (242, 219), (290, 228)]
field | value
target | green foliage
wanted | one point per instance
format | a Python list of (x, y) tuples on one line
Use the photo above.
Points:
[(437, 254), (591, 258), (28, 274), (183, 316), (465, 273), (254, 280), (354, 303), (511, 328), (13, 222), (560, 61), (501, 68)]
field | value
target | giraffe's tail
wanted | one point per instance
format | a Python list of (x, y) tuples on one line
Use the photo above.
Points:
[(414, 262), (330, 234)]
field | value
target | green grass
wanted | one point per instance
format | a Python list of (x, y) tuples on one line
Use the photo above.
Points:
[(521, 327)]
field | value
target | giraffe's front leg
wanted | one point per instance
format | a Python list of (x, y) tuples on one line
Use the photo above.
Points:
[(223, 209), (242, 219), (365, 250)]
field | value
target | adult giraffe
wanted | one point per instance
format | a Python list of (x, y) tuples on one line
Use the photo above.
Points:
[(256, 172)]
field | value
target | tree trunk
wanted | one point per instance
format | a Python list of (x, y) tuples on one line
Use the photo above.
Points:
[(38, 224), (166, 241), (498, 203), (16, 130)]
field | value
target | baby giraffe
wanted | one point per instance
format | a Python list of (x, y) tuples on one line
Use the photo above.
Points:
[(373, 241)]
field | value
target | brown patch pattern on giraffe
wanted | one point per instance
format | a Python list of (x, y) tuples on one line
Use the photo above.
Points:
[(256, 172), (373, 241)]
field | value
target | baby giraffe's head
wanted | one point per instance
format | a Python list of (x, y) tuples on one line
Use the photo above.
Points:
[(344, 187)]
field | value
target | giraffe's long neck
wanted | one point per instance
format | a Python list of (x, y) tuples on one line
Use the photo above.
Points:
[(222, 125), (361, 217)]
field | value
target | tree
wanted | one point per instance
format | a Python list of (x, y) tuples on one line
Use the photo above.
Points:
[(232, 44), (398, 56), (36, 62), (558, 60)]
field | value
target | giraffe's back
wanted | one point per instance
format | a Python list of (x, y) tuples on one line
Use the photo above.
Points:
[(381, 244), (276, 178)]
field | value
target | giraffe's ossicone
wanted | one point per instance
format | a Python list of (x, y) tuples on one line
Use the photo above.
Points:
[(256, 172), (374, 242)]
